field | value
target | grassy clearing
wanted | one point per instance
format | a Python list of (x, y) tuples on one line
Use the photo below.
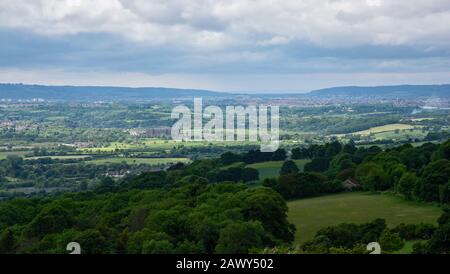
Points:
[(272, 169), (310, 215), (385, 128), (63, 157), (409, 133), (5, 154), (137, 161)]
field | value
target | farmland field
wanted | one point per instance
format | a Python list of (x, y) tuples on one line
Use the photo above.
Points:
[(385, 128), (5, 154), (310, 215), (160, 144), (148, 161), (62, 157), (272, 169), (393, 135)]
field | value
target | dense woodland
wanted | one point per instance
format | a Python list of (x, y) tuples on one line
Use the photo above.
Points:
[(219, 205)]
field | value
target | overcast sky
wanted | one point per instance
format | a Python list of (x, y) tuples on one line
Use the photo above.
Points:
[(229, 45)]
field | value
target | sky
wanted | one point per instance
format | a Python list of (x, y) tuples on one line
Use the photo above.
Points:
[(225, 45)]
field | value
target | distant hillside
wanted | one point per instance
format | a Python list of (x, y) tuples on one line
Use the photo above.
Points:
[(95, 93), (99, 93), (403, 91)]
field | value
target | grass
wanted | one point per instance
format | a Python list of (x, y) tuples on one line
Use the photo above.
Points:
[(406, 133), (159, 144), (272, 169), (310, 215), (5, 154), (62, 157), (385, 128), (408, 247), (137, 161)]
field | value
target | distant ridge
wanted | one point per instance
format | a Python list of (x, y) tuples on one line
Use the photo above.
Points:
[(106, 93), (97, 93), (401, 91)]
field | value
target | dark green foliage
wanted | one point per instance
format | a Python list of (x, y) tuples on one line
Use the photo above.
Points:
[(408, 185), (279, 155), (443, 152), (250, 174), (435, 175), (93, 241), (288, 167), (414, 231), (439, 242), (7, 241), (234, 174), (346, 236), (189, 216), (228, 158), (256, 156), (317, 165), (445, 217), (350, 147), (239, 238), (53, 218), (268, 207), (390, 241), (300, 153), (300, 185), (370, 232), (373, 177), (147, 180)]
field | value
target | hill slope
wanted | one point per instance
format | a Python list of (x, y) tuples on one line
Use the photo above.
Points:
[(403, 91), (97, 93)]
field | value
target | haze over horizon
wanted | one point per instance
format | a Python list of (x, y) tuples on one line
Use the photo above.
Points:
[(225, 45)]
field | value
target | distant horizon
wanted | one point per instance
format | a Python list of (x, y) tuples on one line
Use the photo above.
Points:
[(268, 92)]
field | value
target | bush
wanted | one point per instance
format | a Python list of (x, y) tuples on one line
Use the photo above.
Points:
[(239, 238), (391, 241)]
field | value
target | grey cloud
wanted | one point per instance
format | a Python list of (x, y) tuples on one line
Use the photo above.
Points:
[(226, 36)]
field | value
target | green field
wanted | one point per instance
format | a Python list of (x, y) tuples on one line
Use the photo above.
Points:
[(5, 154), (158, 144), (63, 157), (393, 135), (272, 169), (136, 161), (385, 128), (310, 215)]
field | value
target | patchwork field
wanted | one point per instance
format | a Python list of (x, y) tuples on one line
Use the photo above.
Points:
[(159, 144), (310, 215), (272, 169), (5, 154), (63, 157), (393, 135), (385, 128), (137, 161)]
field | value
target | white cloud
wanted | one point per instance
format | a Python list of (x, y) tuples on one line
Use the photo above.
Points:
[(219, 24)]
